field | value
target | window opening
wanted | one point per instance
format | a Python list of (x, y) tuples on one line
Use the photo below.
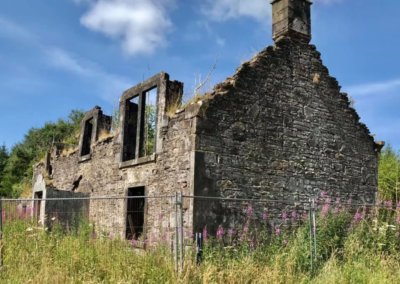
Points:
[(149, 136), (131, 123), (135, 213), (38, 204), (140, 125), (87, 137)]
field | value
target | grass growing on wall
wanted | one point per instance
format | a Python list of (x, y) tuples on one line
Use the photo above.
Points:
[(352, 248)]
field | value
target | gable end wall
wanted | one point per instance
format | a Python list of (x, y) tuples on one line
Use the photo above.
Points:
[(281, 129)]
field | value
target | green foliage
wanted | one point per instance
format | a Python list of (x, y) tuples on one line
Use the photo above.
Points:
[(331, 234), (56, 257), (18, 167), (348, 252), (150, 128), (3, 163), (389, 175)]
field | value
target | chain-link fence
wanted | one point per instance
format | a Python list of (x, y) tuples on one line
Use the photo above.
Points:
[(182, 224)]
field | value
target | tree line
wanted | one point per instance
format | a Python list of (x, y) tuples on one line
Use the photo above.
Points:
[(16, 164)]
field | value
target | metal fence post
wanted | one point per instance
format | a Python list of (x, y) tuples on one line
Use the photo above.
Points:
[(313, 234), (199, 248), (1, 232), (310, 215), (181, 239), (176, 234), (314, 228)]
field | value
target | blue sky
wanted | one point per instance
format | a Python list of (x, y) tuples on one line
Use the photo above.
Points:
[(60, 55)]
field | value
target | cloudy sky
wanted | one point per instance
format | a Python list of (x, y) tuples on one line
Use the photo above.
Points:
[(59, 55)]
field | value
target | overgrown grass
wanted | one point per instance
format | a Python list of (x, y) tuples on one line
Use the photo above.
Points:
[(32, 255), (349, 250)]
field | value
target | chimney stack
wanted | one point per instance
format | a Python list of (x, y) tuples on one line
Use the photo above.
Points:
[(291, 19)]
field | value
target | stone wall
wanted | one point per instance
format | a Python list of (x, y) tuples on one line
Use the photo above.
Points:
[(281, 129), (170, 171)]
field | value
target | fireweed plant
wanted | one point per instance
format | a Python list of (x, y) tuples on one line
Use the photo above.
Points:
[(359, 244)]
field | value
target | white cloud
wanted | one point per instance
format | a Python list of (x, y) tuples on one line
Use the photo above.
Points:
[(221, 10), (61, 59), (327, 2), (109, 86), (83, 1), (10, 29), (220, 41), (374, 88), (140, 24)]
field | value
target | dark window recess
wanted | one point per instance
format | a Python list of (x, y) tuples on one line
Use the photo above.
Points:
[(131, 122), (135, 213), (87, 137), (140, 125), (38, 204)]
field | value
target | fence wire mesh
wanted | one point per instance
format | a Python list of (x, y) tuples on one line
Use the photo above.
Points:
[(120, 226), (126, 226)]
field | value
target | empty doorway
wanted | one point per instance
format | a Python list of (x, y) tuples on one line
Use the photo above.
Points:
[(38, 204), (135, 213)]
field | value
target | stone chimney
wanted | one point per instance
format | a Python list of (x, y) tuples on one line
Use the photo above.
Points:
[(291, 19)]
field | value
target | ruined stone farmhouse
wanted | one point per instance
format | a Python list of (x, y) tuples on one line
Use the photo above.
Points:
[(280, 129)]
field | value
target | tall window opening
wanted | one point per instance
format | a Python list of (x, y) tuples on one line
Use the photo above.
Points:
[(135, 213), (149, 131), (87, 137), (131, 125), (140, 125)]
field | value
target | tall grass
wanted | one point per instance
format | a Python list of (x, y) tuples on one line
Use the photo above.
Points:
[(357, 247)]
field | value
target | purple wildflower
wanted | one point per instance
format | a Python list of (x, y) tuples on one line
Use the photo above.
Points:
[(323, 194), (134, 242), (249, 211), (294, 215), (246, 227), (284, 216), (205, 233), (231, 232), (220, 232), (325, 209), (388, 204), (265, 215), (277, 231), (336, 210), (357, 217)]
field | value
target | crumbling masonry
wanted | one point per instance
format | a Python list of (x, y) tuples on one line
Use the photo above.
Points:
[(280, 128)]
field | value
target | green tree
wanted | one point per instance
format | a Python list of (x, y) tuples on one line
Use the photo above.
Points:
[(3, 159), (150, 129), (19, 166), (3, 163), (389, 175)]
